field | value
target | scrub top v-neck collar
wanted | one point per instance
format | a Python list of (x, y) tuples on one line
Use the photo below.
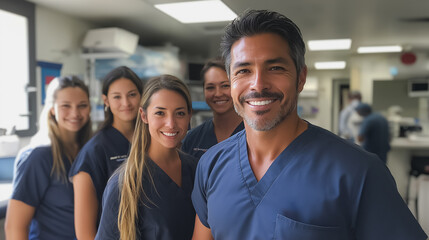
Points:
[(117, 132), (258, 189), (187, 184)]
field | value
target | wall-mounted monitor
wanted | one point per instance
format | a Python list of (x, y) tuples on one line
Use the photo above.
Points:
[(194, 70), (418, 87)]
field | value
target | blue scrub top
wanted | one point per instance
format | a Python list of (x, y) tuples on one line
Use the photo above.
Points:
[(100, 157), (320, 187), (170, 216), (201, 138), (52, 197), (375, 130)]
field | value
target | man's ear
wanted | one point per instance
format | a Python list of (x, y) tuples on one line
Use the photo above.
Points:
[(143, 115), (302, 79)]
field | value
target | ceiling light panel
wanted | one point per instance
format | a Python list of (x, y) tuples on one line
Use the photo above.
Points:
[(198, 11), (379, 49), (332, 44), (330, 65)]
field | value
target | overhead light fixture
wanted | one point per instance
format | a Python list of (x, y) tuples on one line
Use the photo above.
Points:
[(380, 49), (330, 65), (333, 44), (198, 11)]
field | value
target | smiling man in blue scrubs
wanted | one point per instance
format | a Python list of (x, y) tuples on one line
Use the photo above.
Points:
[(282, 177)]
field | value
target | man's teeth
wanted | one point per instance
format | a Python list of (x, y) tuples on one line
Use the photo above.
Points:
[(260, 103), (169, 134)]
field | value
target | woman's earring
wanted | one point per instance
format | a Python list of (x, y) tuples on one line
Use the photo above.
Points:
[(106, 108)]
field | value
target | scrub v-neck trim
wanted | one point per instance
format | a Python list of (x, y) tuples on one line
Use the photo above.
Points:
[(258, 189), (186, 185), (118, 133)]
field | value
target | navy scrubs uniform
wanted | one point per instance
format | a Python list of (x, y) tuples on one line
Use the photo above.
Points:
[(170, 214), (100, 157), (201, 138), (375, 131), (50, 195), (321, 187)]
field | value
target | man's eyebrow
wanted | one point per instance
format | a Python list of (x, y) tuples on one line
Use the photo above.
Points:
[(277, 60), (269, 61), (240, 64)]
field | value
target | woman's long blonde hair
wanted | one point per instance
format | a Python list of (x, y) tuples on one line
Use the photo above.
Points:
[(132, 173), (49, 133)]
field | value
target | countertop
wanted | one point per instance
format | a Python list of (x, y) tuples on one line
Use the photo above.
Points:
[(410, 143)]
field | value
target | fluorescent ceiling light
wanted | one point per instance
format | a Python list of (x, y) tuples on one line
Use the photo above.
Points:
[(198, 11), (379, 49), (330, 65), (333, 44)]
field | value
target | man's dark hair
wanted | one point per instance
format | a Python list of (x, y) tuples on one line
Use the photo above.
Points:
[(355, 95), (254, 22)]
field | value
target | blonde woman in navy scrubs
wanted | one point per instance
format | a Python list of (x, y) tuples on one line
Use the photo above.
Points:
[(150, 196), (41, 206), (100, 157), (225, 121)]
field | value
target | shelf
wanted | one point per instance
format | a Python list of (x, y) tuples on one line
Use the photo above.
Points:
[(200, 106)]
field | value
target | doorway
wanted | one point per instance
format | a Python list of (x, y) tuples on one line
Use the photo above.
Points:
[(340, 90)]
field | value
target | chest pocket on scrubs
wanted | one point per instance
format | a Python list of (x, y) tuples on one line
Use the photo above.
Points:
[(289, 229)]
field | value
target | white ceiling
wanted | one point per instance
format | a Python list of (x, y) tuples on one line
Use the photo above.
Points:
[(366, 22)]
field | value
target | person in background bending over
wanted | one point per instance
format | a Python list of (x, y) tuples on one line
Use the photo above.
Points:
[(374, 132), (349, 119), (149, 197), (100, 157), (225, 121), (41, 206), (282, 177)]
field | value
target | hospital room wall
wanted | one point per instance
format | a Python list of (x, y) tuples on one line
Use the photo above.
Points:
[(362, 71), (58, 40), (59, 37)]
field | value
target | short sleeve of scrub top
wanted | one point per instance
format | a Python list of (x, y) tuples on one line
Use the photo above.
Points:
[(52, 197), (31, 178), (320, 187), (100, 157)]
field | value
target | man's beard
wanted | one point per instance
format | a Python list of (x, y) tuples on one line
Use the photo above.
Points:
[(265, 124)]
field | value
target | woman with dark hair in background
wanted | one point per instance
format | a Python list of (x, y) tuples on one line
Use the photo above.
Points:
[(225, 121), (150, 195), (41, 206), (100, 157)]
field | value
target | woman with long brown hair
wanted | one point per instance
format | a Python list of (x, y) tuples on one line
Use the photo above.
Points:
[(150, 196), (109, 147)]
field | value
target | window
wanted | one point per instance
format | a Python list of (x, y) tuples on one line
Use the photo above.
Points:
[(17, 68)]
